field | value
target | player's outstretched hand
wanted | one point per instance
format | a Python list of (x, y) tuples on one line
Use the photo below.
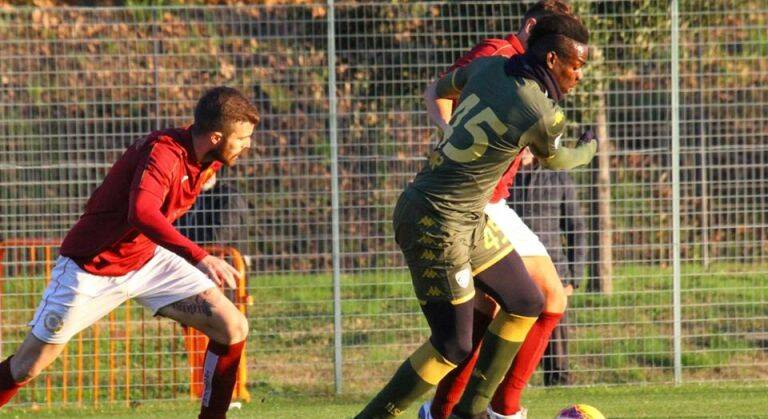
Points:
[(586, 137), (219, 271)]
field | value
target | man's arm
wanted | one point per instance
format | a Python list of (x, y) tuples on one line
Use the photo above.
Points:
[(149, 189), (145, 215), (445, 108), (485, 48), (565, 158), (545, 138), (444, 89)]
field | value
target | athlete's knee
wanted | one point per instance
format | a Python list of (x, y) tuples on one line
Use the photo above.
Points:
[(529, 302), (534, 300), (555, 300), (236, 329), (544, 274), (456, 349)]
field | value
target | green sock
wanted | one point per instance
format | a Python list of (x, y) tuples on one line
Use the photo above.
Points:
[(501, 342), (402, 390), (418, 374)]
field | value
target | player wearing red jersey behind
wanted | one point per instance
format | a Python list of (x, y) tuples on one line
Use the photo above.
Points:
[(124, 246), (506, 402)]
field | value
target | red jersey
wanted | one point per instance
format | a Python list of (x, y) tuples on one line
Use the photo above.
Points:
[(507, 47), (155, 181)]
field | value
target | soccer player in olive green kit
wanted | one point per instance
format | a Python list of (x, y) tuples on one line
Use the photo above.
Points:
[(503, 106)]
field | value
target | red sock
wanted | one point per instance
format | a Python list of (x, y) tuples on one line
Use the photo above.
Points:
[(451, 387), (8, 386), (506, 400), (219, 376)]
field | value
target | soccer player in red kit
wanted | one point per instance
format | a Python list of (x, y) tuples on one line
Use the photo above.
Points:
[(124, 246), (506, 401)]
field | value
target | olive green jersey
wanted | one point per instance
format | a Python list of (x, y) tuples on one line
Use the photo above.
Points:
[(497, 116)]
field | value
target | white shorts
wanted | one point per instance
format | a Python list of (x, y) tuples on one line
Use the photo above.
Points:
[(76, 299), (525, 241)]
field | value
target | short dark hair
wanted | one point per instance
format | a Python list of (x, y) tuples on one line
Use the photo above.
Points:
[(222, 106), (543, 8), (553, 33)]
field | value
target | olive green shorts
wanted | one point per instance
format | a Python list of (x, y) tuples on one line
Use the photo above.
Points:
[(493, 246), (442, 256)]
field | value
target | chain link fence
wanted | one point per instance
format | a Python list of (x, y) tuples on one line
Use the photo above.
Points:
[(676, 202)]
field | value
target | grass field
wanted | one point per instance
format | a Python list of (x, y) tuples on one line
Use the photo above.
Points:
[(619, 339), (688, 401)]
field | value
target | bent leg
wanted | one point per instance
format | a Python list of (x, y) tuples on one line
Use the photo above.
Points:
[(450, 343), (32, 357), (521, 302), (73, 300), (543, 273), (439, 263), (213, 314), (506, 400), (451, 387)]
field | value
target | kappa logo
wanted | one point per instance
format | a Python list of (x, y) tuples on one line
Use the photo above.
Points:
[(428, 255), (426, 240), (429, 273), (559, 117), (435, 159), (463, 277), (434, 292), (53, 322), (426, 221)]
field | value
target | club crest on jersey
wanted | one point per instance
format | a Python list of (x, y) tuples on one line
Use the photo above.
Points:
[(463, 277), (53, 322)]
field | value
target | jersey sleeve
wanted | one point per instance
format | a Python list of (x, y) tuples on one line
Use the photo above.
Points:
[(151, 184), (545, 137), (155, 172), (145, 215), (485, 48), (450, 85)]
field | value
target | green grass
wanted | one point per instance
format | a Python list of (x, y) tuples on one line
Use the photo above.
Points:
[(615, 402), (623, 338)]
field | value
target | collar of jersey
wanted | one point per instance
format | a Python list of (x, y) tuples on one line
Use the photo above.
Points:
[(523, 66)]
